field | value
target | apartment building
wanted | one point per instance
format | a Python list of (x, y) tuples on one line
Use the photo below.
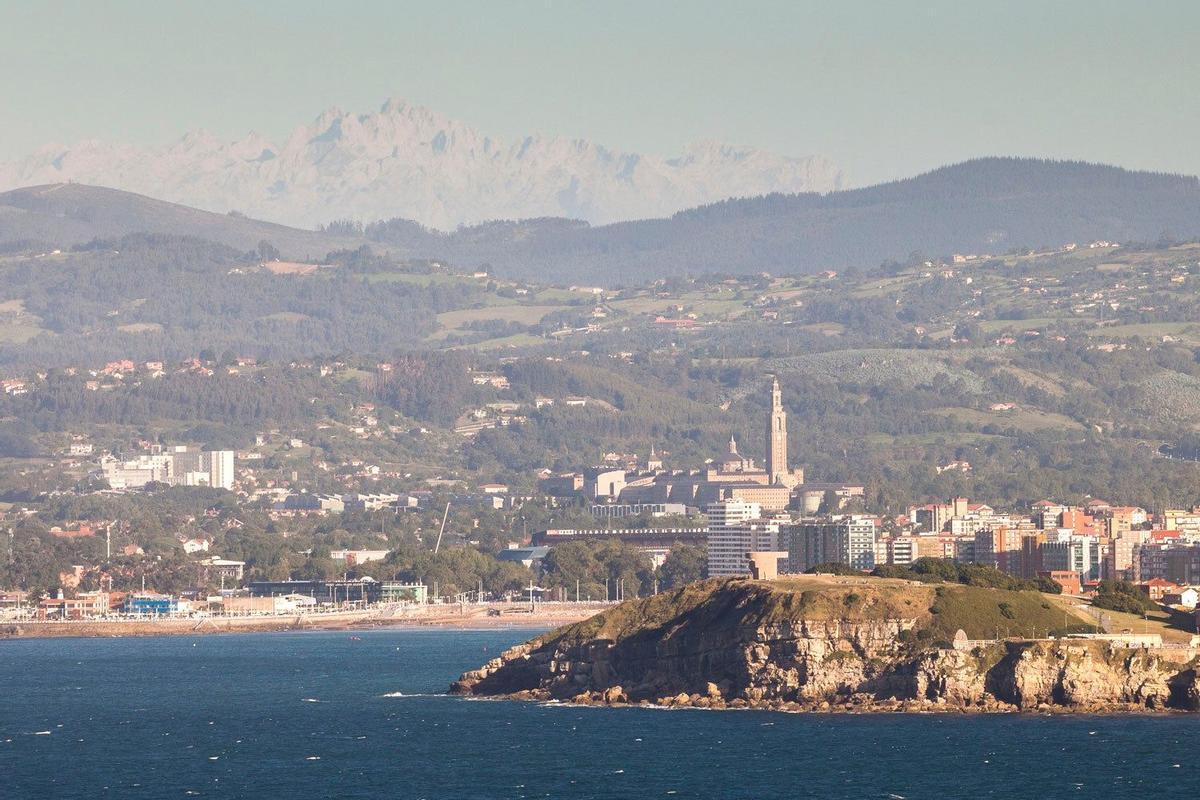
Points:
[(849, 540), (1176, 561), (178, 466), (736, 528)]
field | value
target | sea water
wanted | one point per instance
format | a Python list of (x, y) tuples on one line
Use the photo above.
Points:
[(339, 715)]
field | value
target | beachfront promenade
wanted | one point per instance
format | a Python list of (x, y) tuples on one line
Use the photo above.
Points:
[(465, 614)]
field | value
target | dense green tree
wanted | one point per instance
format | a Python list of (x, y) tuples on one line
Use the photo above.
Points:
[(685, 563)]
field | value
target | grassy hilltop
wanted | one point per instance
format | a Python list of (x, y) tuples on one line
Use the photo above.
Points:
[(733, 604)]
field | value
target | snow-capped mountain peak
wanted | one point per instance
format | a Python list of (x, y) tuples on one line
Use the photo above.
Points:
[(408, 161)]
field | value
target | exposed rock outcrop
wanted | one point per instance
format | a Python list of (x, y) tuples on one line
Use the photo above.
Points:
[(804, 646)]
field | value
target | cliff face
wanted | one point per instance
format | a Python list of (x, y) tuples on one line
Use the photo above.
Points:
[(746, 644)]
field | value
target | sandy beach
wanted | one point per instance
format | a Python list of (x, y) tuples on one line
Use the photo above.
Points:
[(516, 616)]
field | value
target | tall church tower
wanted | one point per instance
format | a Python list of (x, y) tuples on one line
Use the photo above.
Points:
[(777, 469)]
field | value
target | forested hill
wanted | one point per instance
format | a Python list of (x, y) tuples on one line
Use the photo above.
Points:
[(58, 216), (987, 206)]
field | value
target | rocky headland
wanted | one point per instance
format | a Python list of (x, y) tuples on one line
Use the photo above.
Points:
[(823, 643)]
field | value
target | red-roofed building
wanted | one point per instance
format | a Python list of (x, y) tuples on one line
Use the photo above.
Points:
[(1077, 521), (118, 367), (1155, 588), (84, 605), (675, 323), (77, 532), (1069, 581)]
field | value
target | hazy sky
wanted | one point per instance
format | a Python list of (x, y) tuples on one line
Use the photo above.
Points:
[(886, 89)]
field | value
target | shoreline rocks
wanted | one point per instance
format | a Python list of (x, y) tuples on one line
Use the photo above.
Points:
[(742, 659)]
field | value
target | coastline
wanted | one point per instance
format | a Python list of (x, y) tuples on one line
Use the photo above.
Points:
[(471, 618), (818, 644), (852, 706)]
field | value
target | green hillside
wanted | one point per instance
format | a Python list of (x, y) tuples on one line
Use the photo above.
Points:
[(1063, 372), (989, 205), (58, 216), (727, 605)]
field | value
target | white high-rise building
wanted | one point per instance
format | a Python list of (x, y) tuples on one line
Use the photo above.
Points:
[(179, 466), (191, 466), (736, 528), (220, 468)]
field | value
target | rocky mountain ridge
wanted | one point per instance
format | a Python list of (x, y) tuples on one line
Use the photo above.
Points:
[(411, 162), (743, 644)]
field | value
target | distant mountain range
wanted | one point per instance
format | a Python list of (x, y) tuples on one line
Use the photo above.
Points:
[(411, 162), (986, 206)]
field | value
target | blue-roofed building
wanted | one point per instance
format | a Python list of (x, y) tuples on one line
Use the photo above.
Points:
[(150, 604)]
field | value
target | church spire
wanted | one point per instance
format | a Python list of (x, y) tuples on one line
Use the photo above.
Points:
[(777, 469)]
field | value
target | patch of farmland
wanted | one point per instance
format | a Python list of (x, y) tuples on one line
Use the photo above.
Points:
[(1170, 397)]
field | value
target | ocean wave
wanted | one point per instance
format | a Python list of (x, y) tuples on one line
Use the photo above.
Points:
[(622, 706)]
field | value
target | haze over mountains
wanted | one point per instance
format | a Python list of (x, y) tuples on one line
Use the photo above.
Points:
[(986, 206), (979, 207), (60, 215), (408, 161)]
